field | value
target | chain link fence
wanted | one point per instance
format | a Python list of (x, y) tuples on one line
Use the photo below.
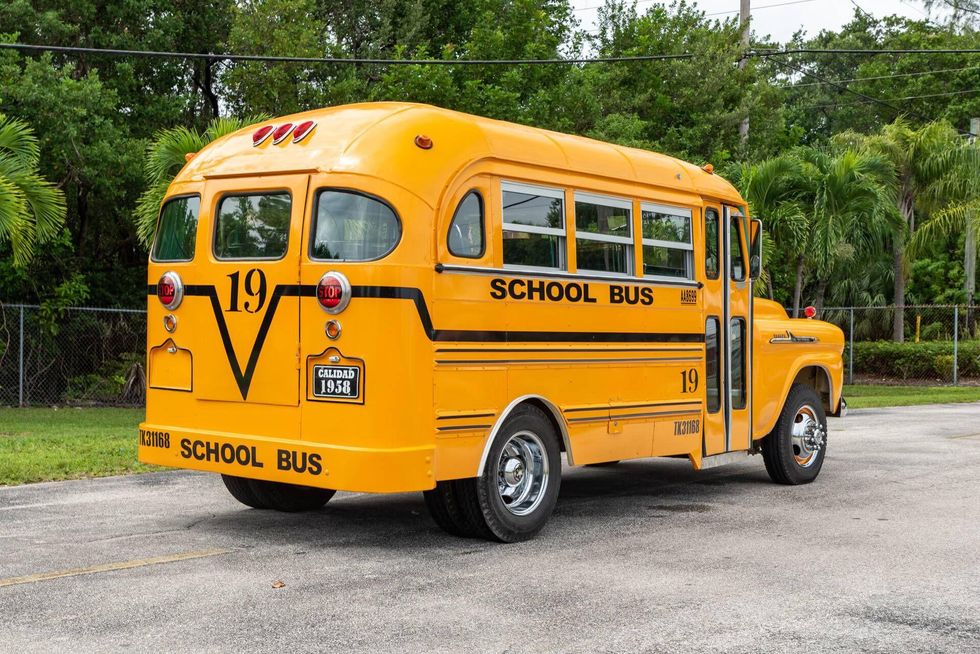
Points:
[(941, 344), (78, 356), (90, 356)]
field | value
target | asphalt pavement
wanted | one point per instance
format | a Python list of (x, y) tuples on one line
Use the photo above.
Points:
[(880, 554)]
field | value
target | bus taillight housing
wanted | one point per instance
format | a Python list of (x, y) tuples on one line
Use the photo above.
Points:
[(170, 290), (333, 292)]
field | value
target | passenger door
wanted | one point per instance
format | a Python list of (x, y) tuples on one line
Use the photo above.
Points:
[(727, 302), (248, 339), (737, 356)]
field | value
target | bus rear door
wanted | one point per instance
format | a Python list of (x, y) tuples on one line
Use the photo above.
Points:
[(248, 338)]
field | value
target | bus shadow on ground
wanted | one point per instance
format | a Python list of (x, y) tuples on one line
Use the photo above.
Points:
[(650, 488)]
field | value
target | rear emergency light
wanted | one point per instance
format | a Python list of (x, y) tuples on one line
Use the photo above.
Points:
[(261, 134), (281, 132), (333, 292), (810, 312), (303, 130), (170, 290)]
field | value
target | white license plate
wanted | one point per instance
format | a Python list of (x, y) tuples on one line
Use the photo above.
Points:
[(342, 382)]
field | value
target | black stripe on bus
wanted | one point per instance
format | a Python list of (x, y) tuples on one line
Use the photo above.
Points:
[(244, 377)]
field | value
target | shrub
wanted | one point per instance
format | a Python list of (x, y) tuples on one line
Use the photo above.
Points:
[(924, 360)]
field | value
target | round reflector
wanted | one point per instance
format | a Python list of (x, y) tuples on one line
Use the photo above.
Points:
[(261, 134), (333, 292), (303, 130), (423, 142), (810, 312), (170, 290), (281, 132)]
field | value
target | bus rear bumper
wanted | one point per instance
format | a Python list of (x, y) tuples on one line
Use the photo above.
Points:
[(367, 470)]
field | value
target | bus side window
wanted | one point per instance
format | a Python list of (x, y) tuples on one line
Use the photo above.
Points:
[(737, 253), (711, 244), (466, 230), (738, 363), (712, 364)]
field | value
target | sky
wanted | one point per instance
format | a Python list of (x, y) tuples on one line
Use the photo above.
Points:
[(780, 22)]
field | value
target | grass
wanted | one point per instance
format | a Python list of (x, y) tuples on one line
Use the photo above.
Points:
[(865, 397), (52, 444)]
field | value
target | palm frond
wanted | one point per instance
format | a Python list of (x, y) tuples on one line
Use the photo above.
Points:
[(18, 140)]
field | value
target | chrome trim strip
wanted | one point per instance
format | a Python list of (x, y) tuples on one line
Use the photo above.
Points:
[(506, 412), (556, 350), (620, 407), (558, 275), (790, 337), (464, 428), (479, 362), (628, 416)]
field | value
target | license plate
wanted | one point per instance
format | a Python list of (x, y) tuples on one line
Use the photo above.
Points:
[(337, 381)]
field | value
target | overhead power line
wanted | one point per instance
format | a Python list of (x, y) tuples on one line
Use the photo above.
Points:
[(902, 99), (879, 77), (213, 56)]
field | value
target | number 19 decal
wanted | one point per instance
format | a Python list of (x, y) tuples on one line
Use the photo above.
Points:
[(689, 380), (256, 290)]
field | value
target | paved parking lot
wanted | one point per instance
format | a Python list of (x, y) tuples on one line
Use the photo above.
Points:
[(881, 554)]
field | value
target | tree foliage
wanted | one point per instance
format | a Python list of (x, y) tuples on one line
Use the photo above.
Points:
[(112, 131)]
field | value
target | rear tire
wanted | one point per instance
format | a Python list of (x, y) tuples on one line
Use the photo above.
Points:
[(516, 494), (289, 498), (604, 464), (794, 450), (242, 491), (443, 505)]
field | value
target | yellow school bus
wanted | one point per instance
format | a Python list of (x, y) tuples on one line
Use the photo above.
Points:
[(393, 297)]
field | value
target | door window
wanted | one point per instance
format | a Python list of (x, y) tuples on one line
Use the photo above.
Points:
[(711, 244), (737, 251), (712, 364), (738, 363), (253, 226)]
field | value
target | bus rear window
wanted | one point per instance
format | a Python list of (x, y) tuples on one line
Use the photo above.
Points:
[(177, 229), (252, 226), (351, 226)]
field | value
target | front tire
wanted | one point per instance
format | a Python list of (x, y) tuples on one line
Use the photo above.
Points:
[(794, 450), (516, 494)]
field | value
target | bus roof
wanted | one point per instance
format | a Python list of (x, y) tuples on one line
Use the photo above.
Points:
[(378, 138)]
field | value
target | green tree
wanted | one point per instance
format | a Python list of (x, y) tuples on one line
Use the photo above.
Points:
[(32, 210), (165, 156), (922, 161)]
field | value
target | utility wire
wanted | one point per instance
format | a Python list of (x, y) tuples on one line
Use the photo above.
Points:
[(878, 77), (211, 56), (869, 99), (908, 97)]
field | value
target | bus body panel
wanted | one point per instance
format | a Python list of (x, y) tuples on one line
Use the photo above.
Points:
[(445, 345)]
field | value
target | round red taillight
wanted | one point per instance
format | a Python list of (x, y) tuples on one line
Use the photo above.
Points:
[(333, 292), (281, 132), (303, 130), (170, 290), (810, 312), (261, 134)]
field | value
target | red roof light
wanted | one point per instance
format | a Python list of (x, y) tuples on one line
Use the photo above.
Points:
[(810, 312), (261, 134), (303, 130), (281, 133)]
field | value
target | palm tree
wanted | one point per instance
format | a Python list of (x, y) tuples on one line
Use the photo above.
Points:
[(165, 156), (32, 210), (851, 212), (957, 193), (774, 189), (823, 208), (921, 159)]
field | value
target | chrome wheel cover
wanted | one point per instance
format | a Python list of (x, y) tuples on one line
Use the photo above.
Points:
[(521, 473), (808, 436)]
